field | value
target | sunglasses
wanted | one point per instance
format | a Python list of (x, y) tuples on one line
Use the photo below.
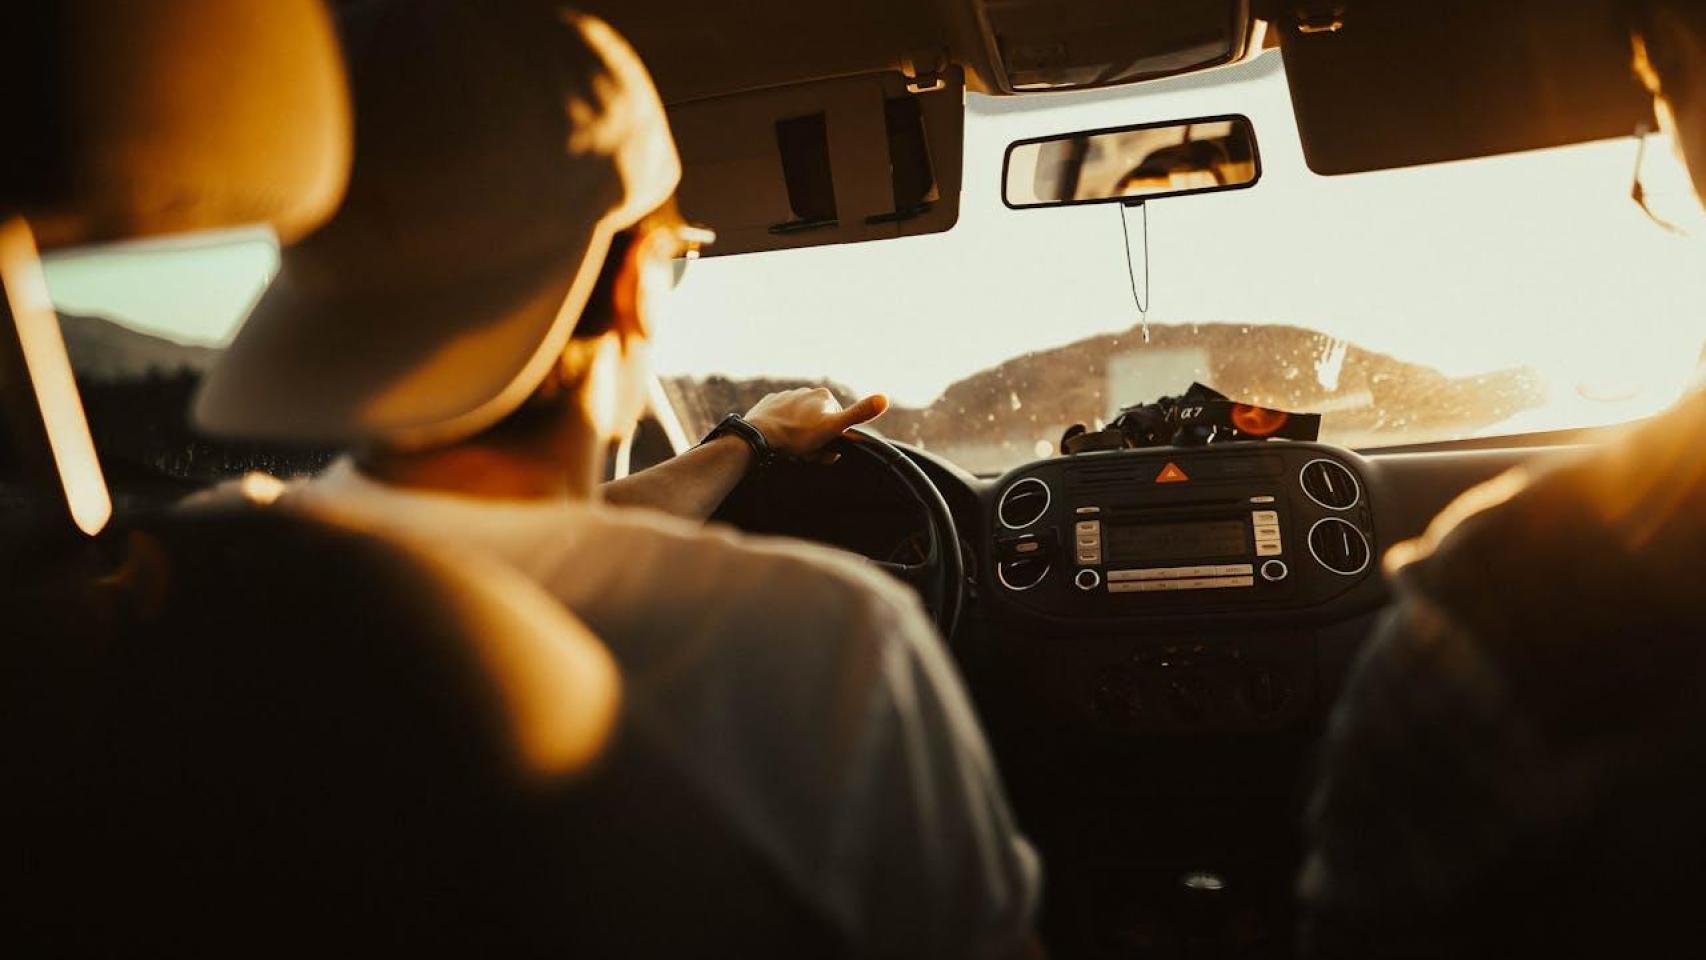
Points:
[(689, 239), (677, 241)]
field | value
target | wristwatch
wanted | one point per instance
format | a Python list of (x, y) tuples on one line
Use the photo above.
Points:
[(763, 455)]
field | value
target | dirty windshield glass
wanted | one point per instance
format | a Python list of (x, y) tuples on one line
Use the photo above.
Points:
[(1489, 297), (1473, 299)]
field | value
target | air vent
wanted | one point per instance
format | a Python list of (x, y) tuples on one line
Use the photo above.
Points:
[(1021, 575), (1331, 484), (1339, 546), (1024, 503), (1119, 475)]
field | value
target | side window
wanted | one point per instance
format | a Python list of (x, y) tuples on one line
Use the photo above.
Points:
[(142, 322)]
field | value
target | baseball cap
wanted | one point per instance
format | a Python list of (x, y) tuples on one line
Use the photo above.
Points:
[(498, 149)]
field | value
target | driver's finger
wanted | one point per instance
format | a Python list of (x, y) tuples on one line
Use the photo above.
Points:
[(870, 408)]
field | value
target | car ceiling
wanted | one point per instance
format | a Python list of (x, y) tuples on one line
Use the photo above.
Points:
[(697, 50), (1376, 84), (1425, 61)]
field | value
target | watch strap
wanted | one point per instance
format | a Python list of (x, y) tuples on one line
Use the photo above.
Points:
[(763, 455)]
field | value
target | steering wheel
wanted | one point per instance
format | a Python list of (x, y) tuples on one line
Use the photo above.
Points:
[(941, 577)]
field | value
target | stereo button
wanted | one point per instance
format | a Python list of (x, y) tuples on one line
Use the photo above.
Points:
[(1264, 517), (1089, 527), (1267, 532), (1087, 580), (1216, 583), (1268, 548), (1183, 573)]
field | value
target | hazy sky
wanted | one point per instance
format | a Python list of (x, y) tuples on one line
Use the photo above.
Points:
[(1539, 259)]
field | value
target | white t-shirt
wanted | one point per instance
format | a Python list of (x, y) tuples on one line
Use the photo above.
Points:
[(803, 690)]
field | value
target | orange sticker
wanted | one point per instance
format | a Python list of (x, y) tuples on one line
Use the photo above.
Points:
[(1171, 474), (1258, 421)]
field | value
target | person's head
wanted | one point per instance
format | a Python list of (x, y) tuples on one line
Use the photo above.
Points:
[(502, 251), (601, 376), (1670, 58)]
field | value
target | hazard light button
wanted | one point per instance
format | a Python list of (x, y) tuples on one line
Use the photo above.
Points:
[(1171, 474)]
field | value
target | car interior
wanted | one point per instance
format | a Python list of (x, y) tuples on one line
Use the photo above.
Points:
[(1154, 566)]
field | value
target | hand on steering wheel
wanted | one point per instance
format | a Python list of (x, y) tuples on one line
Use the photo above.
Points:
[(808, 424), (801, 423)]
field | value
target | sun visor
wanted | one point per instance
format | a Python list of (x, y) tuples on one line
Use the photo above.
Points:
[(1379, 84), (867, 157)]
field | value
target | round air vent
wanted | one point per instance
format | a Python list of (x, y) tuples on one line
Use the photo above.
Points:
[(1339, 546), (1331, 484), (1023, 503), (1021, 575)]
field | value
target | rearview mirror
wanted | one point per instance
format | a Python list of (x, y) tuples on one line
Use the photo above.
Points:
[(1132, 164)]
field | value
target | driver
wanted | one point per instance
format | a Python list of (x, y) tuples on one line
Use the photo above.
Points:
[(1516, 767), (473, 327)]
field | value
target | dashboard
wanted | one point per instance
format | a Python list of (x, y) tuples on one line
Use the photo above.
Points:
[(1161, 592), (1153, 640)]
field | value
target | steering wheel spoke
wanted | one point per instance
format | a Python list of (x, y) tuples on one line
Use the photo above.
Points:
[(919, 576), (940, 578)]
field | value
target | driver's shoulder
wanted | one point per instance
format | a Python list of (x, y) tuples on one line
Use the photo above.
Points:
[(776, 580)]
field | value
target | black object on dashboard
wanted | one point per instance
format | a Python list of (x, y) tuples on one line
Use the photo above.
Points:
[(1201, 415)]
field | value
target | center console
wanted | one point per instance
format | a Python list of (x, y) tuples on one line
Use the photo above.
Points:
[(1145, 534), (1162, 628)]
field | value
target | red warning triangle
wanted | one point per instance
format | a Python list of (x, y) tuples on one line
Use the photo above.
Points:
[(1171, 474)]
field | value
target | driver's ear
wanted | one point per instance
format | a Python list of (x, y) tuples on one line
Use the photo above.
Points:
[(630, 295)]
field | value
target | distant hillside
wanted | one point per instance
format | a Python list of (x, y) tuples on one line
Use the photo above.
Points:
[(999, 416), (986, 422), (136, 389), (103, 350)]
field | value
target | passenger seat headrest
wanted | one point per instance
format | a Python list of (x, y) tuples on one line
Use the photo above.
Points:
[(127, 119)]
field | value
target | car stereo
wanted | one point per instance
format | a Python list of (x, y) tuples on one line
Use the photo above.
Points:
[(1123, 532)]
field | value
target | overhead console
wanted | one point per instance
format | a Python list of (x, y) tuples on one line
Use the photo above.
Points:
[(1235, 530), (1049, 45)]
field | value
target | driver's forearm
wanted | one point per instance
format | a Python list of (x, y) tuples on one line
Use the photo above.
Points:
[(690, 485)]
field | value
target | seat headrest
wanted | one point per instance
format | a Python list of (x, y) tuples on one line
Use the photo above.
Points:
[(135, 119), (246, 729)]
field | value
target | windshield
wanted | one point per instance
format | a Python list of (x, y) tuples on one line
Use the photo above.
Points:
[(1474, 299), (1494, 296)]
